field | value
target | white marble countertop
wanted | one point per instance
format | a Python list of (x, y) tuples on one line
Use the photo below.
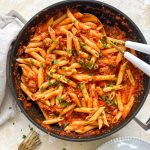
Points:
[(12, 131)]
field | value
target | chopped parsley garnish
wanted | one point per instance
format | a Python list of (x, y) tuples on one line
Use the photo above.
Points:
[(114, 42), (83, 44), (74, 53), (63, 68), (82, 62), (95, 67), (114, 103), (82, 86), (103, 97), (65, 124), (51, 73), (101, 55), (68, 80), (68, 50), (63, 103), (60, 99), (31, 129), (54, 41), (50, 83), (32, 62), (42, 89), (58, 83), (75, 21), (89, 64), (55, 62), (41, 65), (111, 85), (107, 100), (24, 136), (104, 43), (82, 49)]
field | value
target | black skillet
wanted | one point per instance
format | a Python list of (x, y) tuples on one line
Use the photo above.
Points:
[(103, 12)]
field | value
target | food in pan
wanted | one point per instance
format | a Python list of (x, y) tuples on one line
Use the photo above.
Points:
[(74, 74)]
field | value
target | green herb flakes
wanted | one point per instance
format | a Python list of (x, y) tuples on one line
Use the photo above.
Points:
[(32, 61), (24, 136), (65, 124), (41, 65), (60, 99), (50, 83), (54, 41), (82, 62), (31, 129), (68, 80), (75, 21), (68, 50), (42, 89), (103, 97), (107, 100), (90, 64), (104, 43), (55, 62), (114, 103), (111, 85), (74, 53)]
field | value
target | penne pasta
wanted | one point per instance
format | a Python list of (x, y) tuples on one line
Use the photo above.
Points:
[(40, 77), (35, 44), (26, 91), (52, 121), (75, 99), (68, 20), (103, 77), (97, 114), (37, 57), (85, 94), (130, 76), (52, 33), (75, 74), (85, 129), (121, 73), (85, 110), (115, 87), (119, 101), (60, 19), (53, 45), (67, 109), (127, 107), (90, 43), (69, 43), (117, 117), (104, 119), (90, 50), (63, 79)]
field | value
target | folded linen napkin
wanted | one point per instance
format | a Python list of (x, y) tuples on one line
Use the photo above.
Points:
[(9, 28)]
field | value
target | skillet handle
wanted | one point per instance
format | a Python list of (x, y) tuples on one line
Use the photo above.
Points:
[(14, 13), (145, 126)]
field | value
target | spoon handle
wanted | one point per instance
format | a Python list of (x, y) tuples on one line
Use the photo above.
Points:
[(144, 48), (138, 63)]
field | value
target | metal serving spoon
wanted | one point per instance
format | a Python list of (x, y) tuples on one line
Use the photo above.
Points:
[(144, 48)]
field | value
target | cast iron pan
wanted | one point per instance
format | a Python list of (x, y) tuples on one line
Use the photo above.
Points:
[(103, 12)]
